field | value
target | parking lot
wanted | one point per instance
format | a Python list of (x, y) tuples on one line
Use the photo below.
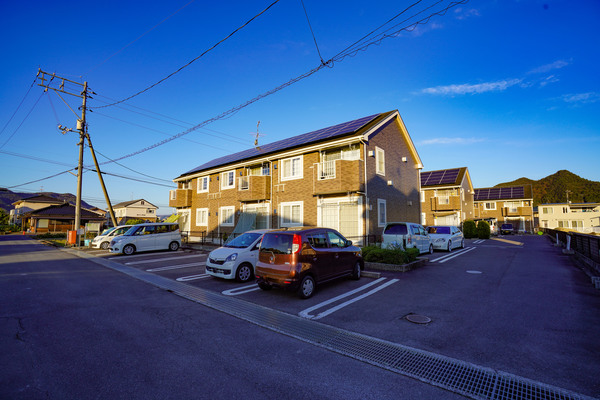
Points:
[(514, 304)]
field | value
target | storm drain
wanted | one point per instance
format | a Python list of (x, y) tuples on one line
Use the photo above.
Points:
[(454, 375)]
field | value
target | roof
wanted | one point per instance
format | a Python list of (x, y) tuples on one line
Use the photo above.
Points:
[(504, 193), (443, 177), (65, 210), (355, 127), (40, 198), (128, 203)]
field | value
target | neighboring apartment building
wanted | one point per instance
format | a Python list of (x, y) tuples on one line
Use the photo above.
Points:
[(353, 177), (29, 204), (446, 197), (506, 205), (580, 217), (135, 209)]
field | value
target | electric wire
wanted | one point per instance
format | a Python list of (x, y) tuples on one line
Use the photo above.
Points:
[(195, 59), (22, 122), (137, 172), (18, 107), (312, 33)]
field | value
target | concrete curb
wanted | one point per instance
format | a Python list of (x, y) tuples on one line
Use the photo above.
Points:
[(421, 261)]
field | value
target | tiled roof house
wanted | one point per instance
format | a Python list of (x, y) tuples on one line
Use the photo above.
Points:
[(353, 177), (446, 197), (506, 205)]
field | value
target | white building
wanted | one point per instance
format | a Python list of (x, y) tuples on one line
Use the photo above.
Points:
[(580, 217)]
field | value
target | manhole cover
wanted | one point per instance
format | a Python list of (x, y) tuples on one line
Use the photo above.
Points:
[(418, 319), (474, 272)]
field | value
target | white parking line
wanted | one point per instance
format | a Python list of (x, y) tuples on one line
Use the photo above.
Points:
[(306, 313), (241, 290), (175, 267), (192, 277), (163, 259), (450, 256), (479, 241)]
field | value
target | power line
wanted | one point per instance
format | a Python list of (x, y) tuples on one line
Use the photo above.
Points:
[(189, 63), (137, 172), (311, 31), (18, 107), (22, 122)]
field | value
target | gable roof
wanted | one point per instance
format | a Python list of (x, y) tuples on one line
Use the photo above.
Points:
[(504, 193), (65, 210), (128, 203), (40, 198), (443, 177), (357, 127)]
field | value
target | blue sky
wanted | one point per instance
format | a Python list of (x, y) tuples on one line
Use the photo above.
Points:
[(508, 88)]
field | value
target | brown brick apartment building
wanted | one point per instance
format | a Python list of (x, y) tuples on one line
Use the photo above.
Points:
[(506, 205), (446, 197), (353, 177)]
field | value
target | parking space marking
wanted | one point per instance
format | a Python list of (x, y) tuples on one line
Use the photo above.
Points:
[(167, 268), (192, 277), (450, 256), (479, 241), (306, 313), (240, 290), (163, 259), (509, 241)]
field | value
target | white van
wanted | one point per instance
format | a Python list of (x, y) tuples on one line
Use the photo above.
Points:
[(406, 235), (146, 237), (237, 258), (102, 241)]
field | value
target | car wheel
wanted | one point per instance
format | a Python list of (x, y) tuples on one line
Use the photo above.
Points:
[(129, 249), (449, 245), (430, 249), (104, 245), (173, 246), (307, 287), (356, 272), (264, 286), (244, 273)]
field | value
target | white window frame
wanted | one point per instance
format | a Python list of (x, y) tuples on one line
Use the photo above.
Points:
[(290, 204), (379, 161), (381, 202), (200, 183), (231, 212), (225, 180), (485, 205), (422, 196), (173, 194), (299, 173), (202, 217)]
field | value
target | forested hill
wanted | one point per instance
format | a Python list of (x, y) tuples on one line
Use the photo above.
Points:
[(553, 188)]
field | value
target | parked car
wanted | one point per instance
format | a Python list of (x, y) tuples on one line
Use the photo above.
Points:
[(302, 258), (237, 258), (102, 241), (406, 235), (147, 237), (506, 229), (446, 237)]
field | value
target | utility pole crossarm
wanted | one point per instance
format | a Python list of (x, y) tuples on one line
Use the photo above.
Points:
[(50, 78)]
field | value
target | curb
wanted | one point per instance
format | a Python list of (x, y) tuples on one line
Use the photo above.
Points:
[(421, 261)]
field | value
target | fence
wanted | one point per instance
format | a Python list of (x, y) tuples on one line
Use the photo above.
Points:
[(586, 247)]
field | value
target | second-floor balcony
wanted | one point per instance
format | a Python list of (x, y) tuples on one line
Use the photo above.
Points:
[(180, 198), (254, 187), (337, 176), (445, 203), (516, 211)]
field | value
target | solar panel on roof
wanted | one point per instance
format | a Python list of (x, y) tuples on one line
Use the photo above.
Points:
[(444, 177)]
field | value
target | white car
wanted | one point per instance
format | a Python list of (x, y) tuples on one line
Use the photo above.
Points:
[(237, 258), (406, 235), (102, 241), (147, 237), (446, 237)]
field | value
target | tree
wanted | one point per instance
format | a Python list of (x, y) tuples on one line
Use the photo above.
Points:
[(483, 230), (469, 229), (3, 217)]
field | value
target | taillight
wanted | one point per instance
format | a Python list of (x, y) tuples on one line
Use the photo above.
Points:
[(296, 242)]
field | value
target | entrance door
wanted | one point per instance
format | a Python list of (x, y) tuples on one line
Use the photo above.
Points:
[(342, 215)]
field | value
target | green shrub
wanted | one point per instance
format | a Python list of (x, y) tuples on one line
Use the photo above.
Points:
[(367, 249), (135, 222), (389, 256), (483, 230), (412, 254), (49, 235), (469, 229)]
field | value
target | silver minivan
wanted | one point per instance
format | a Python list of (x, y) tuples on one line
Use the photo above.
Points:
[(102, 241), (406, 235), (147, 237)]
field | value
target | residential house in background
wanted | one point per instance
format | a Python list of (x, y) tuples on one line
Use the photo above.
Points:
[(29, 204), (135, 209), (353, 177), (506, 205), (580, 217), (447, 197), (60, 218)]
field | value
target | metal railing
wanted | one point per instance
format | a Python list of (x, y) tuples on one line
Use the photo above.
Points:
[(326, 170), (581, 243)]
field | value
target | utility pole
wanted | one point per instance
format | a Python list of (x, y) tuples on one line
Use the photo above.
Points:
[(47, 80)]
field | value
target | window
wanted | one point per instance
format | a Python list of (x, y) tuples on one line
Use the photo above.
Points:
[(228, 180), (150, 211), (226, 216), (202, 217), (260, 170), (291, 168), (489, 206), (203, 184), (576, 224), (547, 210), (513, 206), (422, 196), (565, 210), (336, 240), (317, 240), (291, 214), (379, 161), (381, 213), (173, 194)]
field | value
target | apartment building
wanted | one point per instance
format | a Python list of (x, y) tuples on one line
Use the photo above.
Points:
[(506, 205), (353, 177), (580, 217), (447, 197), (135, 209)]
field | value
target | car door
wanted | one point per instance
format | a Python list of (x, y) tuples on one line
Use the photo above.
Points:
[(342, 258), (146, 238), (320, 256)]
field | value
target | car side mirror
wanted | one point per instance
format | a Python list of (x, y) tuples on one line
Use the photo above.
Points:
[(348, 243)]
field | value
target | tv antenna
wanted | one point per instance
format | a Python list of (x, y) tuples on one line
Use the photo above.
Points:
[(257, 136)]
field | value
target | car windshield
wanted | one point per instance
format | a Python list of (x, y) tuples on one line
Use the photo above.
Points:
[(395, 229), (443, 230), (131, 231), (243, 241), (277, 243), (107, 231), (119, 231)]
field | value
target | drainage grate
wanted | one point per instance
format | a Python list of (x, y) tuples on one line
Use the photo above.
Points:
[(458, 376)]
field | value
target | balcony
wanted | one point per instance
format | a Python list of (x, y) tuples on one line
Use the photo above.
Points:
[(447, 203), (183, 198), (254, 187), (338, 176), (515, 211)]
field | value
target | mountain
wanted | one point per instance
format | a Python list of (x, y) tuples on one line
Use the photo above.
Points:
[(553, 188), (7, 198)]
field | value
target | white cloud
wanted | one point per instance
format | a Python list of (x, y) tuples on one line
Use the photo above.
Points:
[(466, 88), (581, 98), (461, 13), (448, 140), (550, 67)]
